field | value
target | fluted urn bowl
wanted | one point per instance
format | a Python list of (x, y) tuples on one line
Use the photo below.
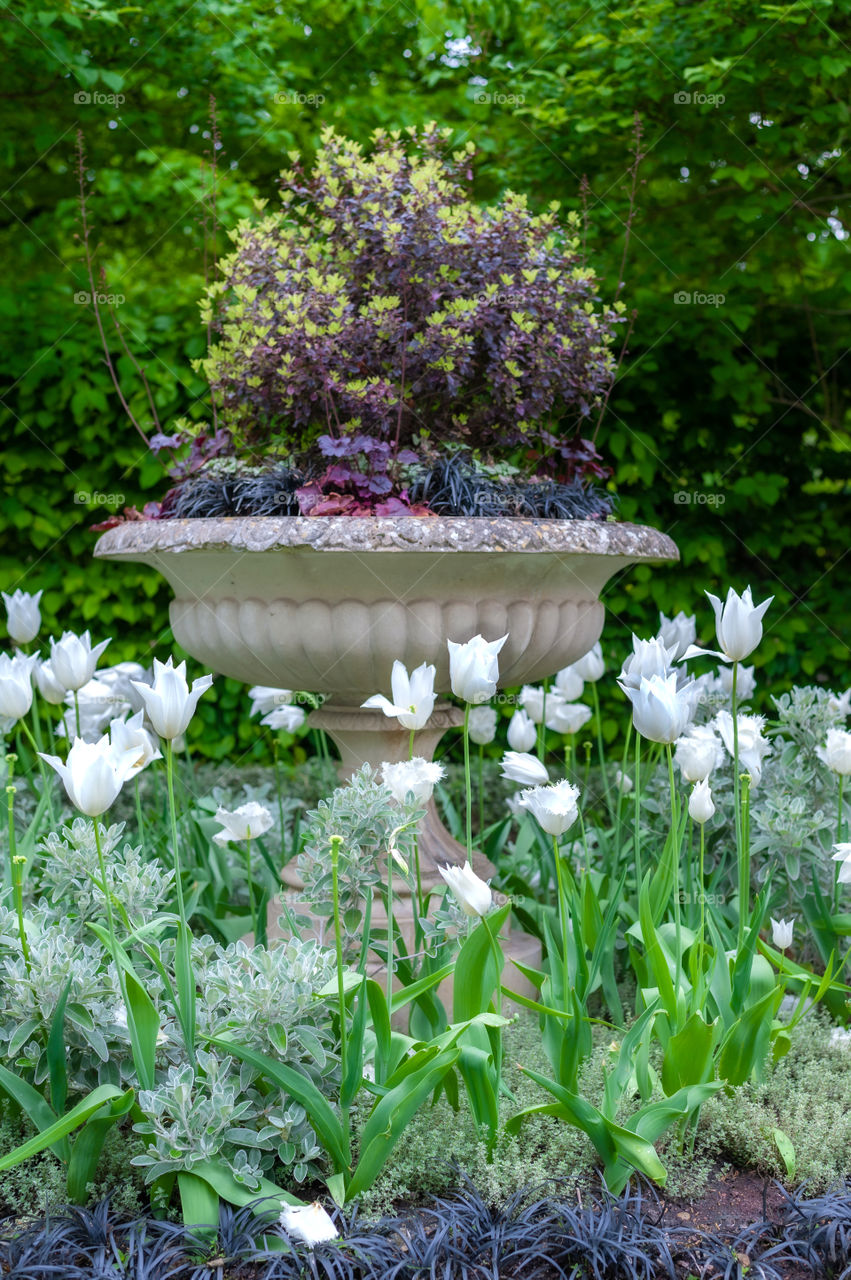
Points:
[(328, 603)]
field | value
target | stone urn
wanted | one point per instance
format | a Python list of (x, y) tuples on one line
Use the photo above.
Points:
[(328, 603)]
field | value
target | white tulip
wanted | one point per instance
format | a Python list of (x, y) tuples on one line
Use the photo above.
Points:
[(555, 807), (418, 777), (660, 711), (520, 767), (481, 724), (289, 718), (753, 747), (532, 702), (698, 752), (738, 626), (677, 633), (48, 686), (93, 774), (308, 1222), (474, 668), (522, 734), (840, 703), (245, 823), (474, 896), (781, 933), (74, 658), (591, 666), (16, 690), (623, 782), (648, 658), (566, 717), (265, 698), (569, 683), (836, 752), (170, 703), (413, 696), (23, 617), (700, 804), (842, 855), (132, 736), (745, 682)]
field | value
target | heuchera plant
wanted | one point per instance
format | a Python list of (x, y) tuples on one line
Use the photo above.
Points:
[(382, 314)]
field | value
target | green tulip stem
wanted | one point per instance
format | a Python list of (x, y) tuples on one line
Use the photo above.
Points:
[(186, 1015), (498, 996), (600, 750), (77, 713), (481, 789), (252, 897), (702, 936), (110, 918), (636, 841), (744, 873), (678, 925), (42, 767), (467, 784), (838, 841), (563, 918), (336, 841), (15, 869)]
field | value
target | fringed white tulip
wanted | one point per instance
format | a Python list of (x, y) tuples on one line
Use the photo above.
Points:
[(245, 823), (416, 777), (308, 1223), (555, 807)]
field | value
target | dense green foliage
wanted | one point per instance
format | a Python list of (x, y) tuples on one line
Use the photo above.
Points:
[(728, 427)]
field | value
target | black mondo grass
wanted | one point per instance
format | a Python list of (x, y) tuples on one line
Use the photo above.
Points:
[(544, 1233), (454, 487), (212, 496)]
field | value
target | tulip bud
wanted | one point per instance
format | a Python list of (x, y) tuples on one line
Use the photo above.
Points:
[(700, 805), (481, 724), (474, 668), (23, 617), (522, 734), (591, 666)]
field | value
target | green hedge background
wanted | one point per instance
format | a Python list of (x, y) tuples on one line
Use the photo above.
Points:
[(729, 425)]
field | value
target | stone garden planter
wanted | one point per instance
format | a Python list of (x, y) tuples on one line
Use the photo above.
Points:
[(327, 604)]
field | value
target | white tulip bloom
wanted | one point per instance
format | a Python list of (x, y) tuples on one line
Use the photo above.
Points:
[(623, 782), (265, 698), (842, 855), (245, 823), (74, 658), (701, 806), (836, 752), (16, 690), (284, 717), (522, 734), (569, 684), (23, 617), (648, 658), (474, 668), (132, 736), (554, 807), (660, 711), (738, 626), (48, 686), (413, 696), (698, 752), (591, 666), (677, 633), (481, 724), (473, 895), (93, 774), (418, 777), (745, 683), (169, 702), (840, 703), (532, 702), (753, 747), (781, 933), (308, 1222), (520, 767), (566, 717)]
